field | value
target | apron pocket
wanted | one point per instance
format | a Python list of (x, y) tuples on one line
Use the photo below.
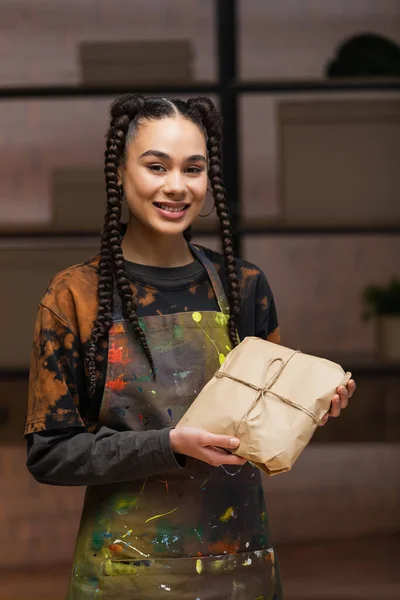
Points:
[(242, 576)]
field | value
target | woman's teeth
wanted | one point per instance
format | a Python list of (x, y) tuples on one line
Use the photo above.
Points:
[(172, 208)]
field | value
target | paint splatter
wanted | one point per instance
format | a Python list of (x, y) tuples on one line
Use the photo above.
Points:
[(247, 562), (162, 515), (221, 319), (223, 547), (116, 355), (199, 566), (181, 374), (140, 389), (178, 332), (117, 385), (154, 392), (131, 547), (196, 316), (123, 505), (165, 482), (169, 411), (116, 548), (97, 541), (164, 587), (230, 513), (221, 564), (222, 358)]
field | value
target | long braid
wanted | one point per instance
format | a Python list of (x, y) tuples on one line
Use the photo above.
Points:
[(111, 264), (212, 125), (127, 113)]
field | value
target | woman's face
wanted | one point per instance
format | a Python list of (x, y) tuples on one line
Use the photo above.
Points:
[(165, 174)]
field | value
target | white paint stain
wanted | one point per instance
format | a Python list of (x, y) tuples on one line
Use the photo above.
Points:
[(247, 562), (131, 547), (164, 587)]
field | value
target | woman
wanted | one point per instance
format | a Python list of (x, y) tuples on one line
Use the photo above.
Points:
[(123, 345)]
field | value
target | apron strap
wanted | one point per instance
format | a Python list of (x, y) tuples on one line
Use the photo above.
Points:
[(214, 278)]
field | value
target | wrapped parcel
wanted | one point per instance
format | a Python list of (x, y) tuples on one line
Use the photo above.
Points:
[(270, 397)]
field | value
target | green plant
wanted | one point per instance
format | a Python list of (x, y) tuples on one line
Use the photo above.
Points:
[(382, 299)]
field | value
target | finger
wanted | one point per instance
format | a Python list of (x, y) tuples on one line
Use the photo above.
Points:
[(221, 441), (217, 457), (344, 396), (335, 406), (324, 420), (351, 387)]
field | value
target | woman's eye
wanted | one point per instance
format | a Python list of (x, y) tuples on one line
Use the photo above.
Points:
[(194, 169), (157, 168)]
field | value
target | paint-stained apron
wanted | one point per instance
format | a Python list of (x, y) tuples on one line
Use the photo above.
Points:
[(199, 533)]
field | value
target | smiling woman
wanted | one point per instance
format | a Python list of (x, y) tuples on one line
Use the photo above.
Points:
[(123, 345), (164, 179)]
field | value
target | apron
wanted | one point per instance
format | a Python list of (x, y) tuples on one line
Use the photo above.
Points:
[(198, 533)]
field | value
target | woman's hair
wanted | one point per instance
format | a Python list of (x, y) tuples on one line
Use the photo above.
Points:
[(127, 114)]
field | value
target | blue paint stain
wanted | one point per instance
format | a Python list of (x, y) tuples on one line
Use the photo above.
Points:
[(169, 411), (140, 389)]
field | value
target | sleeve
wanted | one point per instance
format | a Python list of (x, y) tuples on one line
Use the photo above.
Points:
[(74, 457), (56, 367), (266, 317)]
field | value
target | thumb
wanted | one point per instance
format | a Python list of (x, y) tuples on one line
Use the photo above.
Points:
[(222, 441)]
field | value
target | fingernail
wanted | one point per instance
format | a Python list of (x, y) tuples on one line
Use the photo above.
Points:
[(234, 442)]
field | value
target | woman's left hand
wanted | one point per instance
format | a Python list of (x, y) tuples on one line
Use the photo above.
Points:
[(340, 400)]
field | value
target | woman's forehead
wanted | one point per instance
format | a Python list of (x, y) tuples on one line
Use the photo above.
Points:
[(173, 133)]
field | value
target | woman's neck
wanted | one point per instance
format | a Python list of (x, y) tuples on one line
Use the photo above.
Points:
[(148, 248)]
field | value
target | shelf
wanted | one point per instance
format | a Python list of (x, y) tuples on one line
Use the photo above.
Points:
[(247, 227), (279, 86)]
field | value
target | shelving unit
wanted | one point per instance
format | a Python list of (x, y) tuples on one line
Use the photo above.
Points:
[(228, 90)]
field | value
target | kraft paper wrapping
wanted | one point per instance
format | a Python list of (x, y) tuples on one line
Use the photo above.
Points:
[(271, 397)]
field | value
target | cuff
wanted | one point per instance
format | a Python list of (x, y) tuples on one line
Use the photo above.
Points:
[(172, 460)]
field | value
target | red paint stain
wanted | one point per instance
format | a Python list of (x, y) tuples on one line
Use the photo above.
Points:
[(116, 385), (116, 355), (115, 548), (223, 547)]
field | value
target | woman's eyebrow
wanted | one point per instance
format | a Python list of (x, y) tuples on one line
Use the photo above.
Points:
[(165, 156)]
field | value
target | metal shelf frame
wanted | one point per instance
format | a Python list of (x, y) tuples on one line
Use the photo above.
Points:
[(229, 90)]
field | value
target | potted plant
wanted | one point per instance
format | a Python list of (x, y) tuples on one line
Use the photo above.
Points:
[(382, 302)]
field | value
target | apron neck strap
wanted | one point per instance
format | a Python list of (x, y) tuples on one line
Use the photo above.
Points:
[(213, 276)]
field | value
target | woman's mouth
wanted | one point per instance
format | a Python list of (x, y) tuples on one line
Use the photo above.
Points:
[(171, 211)]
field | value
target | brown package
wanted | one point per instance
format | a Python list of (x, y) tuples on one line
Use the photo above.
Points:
[(271, 397)]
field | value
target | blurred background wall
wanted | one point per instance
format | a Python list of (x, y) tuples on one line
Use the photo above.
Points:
[(309, 161)]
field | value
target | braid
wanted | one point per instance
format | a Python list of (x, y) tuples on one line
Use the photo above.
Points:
[(212, 125), (127, 112), (111, 265)]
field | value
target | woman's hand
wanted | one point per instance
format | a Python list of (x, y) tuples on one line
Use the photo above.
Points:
[(340, 400), (205, 446)]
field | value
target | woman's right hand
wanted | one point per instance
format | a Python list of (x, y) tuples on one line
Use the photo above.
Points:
[(205, 446)]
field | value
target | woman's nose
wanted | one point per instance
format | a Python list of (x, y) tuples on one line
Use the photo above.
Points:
[(175, 185)]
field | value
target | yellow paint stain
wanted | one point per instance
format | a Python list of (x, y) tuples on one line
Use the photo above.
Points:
[(162, 515), (225, 565), (228, 514), (196, 316), (222, 358), (199, 566), (247, 562)]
